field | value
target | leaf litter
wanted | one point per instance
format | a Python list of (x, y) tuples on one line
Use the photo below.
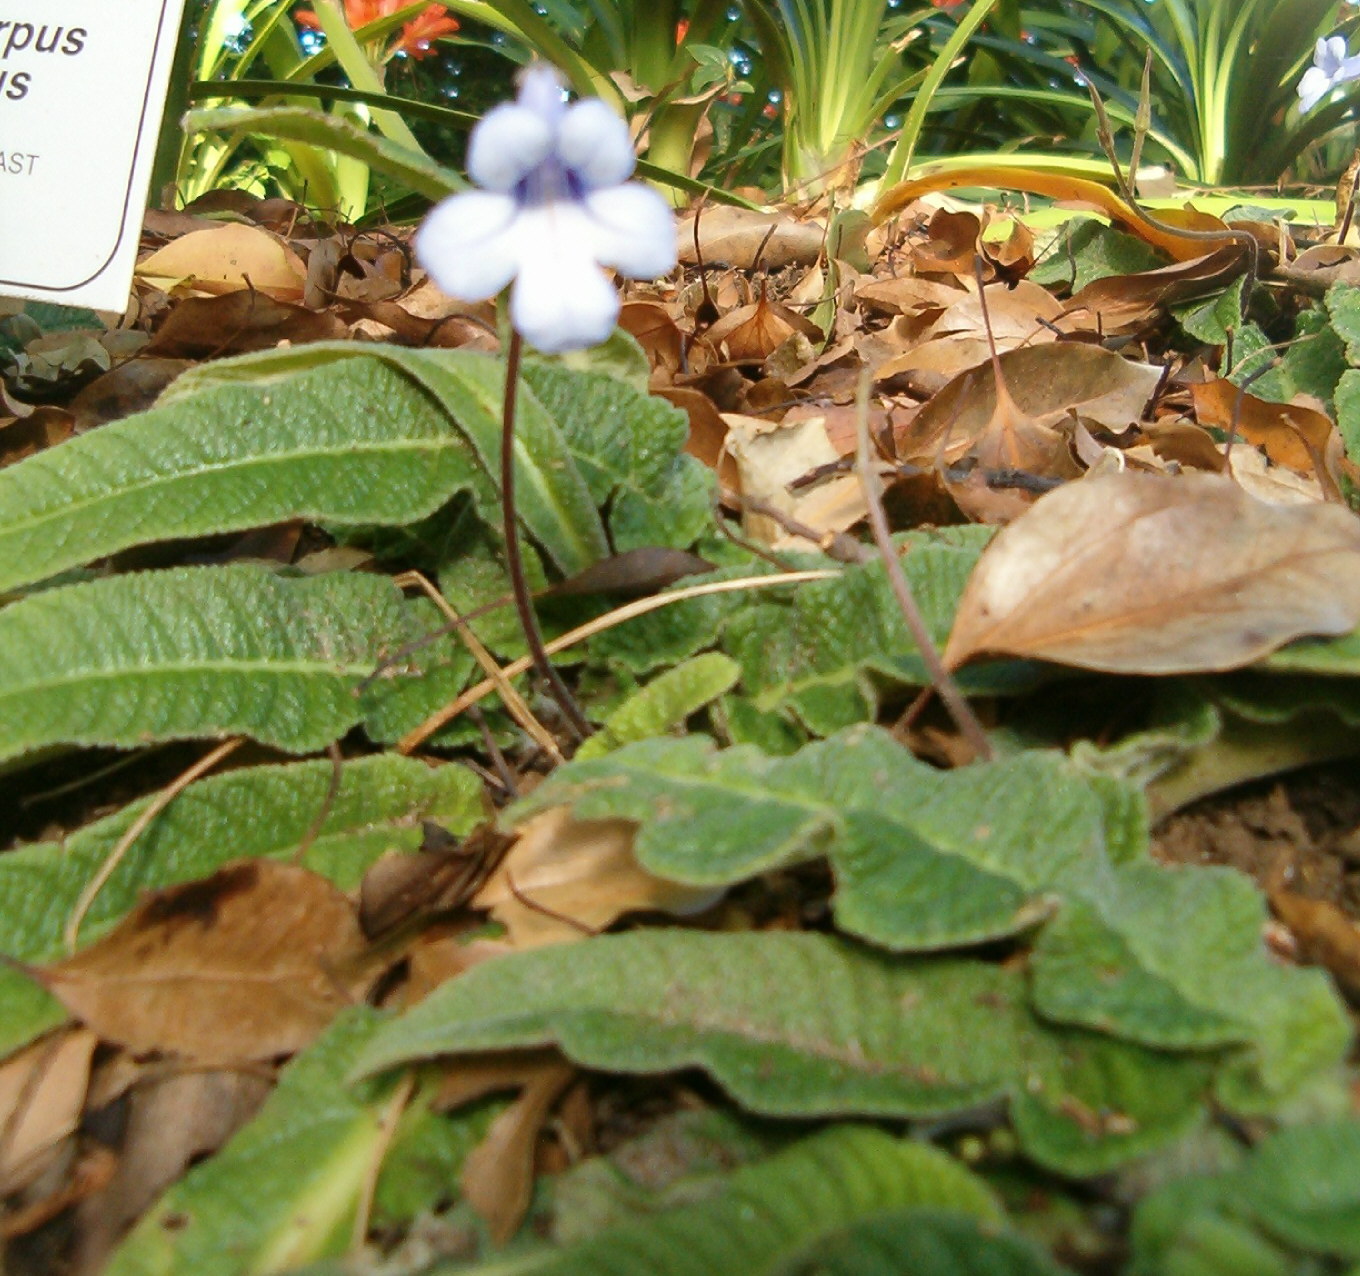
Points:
[(1159, 515)]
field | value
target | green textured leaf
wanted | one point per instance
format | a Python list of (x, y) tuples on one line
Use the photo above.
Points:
[(767, 1211), (332, 133), (1173, 958), (924, 859), (553, 500), (1313, 362), (664, 702), (196, 653), (355, 443), (285, 1189), (261, 811), (630, 450), (922, 1242), (1343, 309), (1298, 1191), (806, 1025)]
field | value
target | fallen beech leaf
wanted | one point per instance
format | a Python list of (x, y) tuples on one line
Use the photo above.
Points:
[(200, 327), (42, 1094), (1123, 303), (250, 963), (171, 1122), (1291, 434), (566, 878), (1047, 383), (752, 333), (1154, 574), (952, 245), (227, 258)]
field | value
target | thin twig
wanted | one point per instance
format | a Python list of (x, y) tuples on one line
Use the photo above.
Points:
[(630, 611), (959, 709), (514, 560), (514, 703), (136, 829)]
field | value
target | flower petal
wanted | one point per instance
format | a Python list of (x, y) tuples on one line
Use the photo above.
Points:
[(1329, 55), (509, 142), (540, 91), (561, 299), (593, 142), (1314, 86), (470, 245), (633, 230)]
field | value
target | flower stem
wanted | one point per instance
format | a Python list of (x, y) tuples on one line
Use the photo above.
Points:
[(514, 558)]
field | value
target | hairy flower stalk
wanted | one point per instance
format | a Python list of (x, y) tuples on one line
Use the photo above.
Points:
[(554, 208)]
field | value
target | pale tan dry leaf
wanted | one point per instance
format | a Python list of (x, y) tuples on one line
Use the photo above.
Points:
[(172, 1122), (248, 964), (1155, 574), (1275, 484), (566, 879), (42, 1094), (498, 1175), (227, 258), (770, 456), (731, 236)]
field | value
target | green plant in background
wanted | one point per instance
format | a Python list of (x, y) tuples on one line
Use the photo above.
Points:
[(257, 44), (1225, 75)]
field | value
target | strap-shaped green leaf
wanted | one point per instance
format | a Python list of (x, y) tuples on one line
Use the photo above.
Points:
[(195, 653), (359, 443), (552, 498), (806, 1025)]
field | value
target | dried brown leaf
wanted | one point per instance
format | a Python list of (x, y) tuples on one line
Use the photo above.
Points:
[(1154, 574), (248, 964)]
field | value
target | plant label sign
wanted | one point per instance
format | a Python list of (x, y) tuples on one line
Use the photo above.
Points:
[(82, 90)]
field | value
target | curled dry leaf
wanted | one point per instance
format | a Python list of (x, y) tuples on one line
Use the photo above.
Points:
[(566, 879), (1153, 574), (245, 965)]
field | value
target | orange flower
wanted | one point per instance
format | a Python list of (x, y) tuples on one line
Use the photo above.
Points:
[(417, 36)]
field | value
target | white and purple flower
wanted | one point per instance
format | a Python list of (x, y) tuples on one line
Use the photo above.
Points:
[(555, 206), (1330, 68)]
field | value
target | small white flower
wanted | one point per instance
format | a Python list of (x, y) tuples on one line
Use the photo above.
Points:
[(1330, 67), (554, 207)]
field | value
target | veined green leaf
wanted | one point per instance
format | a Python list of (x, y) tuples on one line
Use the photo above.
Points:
[(355, 443), (552, 497), (195, 653), (924, 1242), (260, 811), (769, 1210), (807, 1025), (924, 859)]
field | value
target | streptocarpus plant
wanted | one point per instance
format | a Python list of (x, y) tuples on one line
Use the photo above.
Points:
[(554, 207)]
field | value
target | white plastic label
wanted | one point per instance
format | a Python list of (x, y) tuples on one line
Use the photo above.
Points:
[(82, 91)]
